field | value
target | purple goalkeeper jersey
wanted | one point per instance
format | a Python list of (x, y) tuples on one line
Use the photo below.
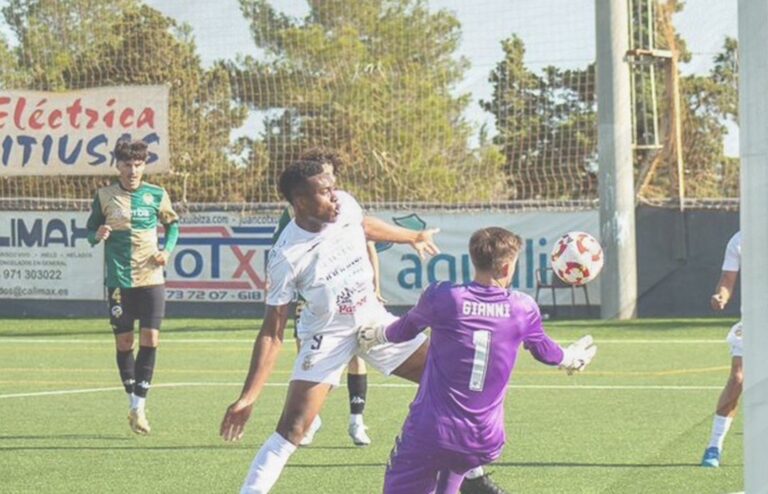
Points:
[(476, 333)]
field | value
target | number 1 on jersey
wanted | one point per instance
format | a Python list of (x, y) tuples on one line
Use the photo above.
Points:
[(482, 341)]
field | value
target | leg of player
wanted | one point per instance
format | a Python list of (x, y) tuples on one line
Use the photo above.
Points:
[(148, 304), (476, 481), (302, 404), (448, 482), (122, 323), (727, 405), (410, 469), (357, 385), (317, 422), (145, 368), (728, 401), (125, 361)]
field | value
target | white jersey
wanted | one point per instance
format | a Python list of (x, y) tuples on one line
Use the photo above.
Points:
[(732, 258), (330, 269)]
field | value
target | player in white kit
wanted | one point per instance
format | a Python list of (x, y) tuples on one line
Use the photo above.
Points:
[(322, 256), (729, 397)]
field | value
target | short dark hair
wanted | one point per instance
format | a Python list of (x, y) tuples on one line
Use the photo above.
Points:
[(325, 155), (491, 247), (126, 150), (295, 176)]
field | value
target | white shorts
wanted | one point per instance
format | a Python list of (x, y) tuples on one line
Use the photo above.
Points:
[(323, 357), (734, 339)]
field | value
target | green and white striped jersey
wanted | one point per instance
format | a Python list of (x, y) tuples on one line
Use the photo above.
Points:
[(134, 218)]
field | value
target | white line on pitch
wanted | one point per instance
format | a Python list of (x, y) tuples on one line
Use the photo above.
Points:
[(111, 341), (290, 340), (373, 385), (662, 341)]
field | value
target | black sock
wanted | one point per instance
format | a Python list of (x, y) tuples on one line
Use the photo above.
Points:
[(126, 364), (145, 367), (357, 385)]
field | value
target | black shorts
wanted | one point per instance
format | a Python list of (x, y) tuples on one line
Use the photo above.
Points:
[(145, 303)]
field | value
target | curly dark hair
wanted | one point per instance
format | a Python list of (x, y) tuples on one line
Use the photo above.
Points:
[(325, 155), (126, 150), (295, 176)]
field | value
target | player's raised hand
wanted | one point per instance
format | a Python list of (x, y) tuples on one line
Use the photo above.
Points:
[(103, 232), (578, 355), (233, 424), (424, 245), (370, 336)]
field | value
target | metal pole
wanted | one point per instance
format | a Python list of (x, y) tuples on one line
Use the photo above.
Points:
[(675, 88), (617, 201)]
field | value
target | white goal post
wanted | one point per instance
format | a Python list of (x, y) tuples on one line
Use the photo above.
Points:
[(753, 115)]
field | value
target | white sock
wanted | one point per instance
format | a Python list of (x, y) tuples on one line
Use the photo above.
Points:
[(267, 465), (474, 473), (720, 426), (316, 423), (138, 401), (356, 419)]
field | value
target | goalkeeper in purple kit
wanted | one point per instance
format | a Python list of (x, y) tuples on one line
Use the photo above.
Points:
[(456, 421)]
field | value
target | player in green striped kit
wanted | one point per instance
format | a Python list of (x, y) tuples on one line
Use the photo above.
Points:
[(125, 215)]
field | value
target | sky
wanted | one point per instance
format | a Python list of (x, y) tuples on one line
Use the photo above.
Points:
[(222, 30), (555, 32)]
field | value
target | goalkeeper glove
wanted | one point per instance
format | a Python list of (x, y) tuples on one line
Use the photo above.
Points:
[(370, 336), (578, 355)]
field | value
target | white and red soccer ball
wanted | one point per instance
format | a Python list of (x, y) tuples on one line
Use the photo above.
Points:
[(577, 258)]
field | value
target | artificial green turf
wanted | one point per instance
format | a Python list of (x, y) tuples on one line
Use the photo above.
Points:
[(636, 422)]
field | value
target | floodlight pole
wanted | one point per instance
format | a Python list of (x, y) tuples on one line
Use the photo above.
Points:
[(753, 148), (618, 280)]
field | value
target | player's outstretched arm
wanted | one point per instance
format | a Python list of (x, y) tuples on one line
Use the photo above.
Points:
[(578, 355), (265, 351), (422, 241)]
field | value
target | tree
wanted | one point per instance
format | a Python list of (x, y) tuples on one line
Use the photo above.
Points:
[(373, 79), (546, 127), (76, 44), (707, 103), (547, 121), (9, 72), (712, 100)]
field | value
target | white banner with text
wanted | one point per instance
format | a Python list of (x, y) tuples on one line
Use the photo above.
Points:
[(47, 256), (75, 132), (404, 276), (221, 256)]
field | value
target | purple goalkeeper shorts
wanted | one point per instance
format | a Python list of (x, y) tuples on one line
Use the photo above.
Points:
[(418, 468)]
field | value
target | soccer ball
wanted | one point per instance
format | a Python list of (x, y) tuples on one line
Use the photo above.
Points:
[(577, 258)]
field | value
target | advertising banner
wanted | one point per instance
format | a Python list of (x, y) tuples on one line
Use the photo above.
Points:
[(47, 256), (404, 276), (74, 133), (221, 256)]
